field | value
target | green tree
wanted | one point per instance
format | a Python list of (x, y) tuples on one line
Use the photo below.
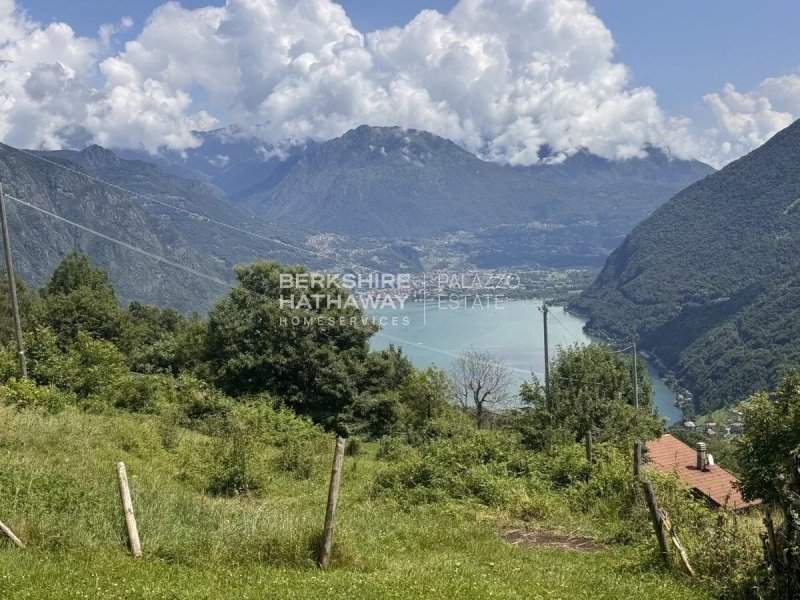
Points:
[(386, 369), (162, 340), (426, 393), (26, 300), (78, 297), (769, 457), (591, 389), (264, 338)]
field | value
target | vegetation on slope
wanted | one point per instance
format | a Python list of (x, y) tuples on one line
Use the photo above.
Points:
[(229, 485), (709, 282)]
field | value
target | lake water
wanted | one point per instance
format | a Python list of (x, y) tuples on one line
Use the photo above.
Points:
[(513, 331)]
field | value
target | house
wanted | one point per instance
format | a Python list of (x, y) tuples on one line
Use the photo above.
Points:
[(696, 469)]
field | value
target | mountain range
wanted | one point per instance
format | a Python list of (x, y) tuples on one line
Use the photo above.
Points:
[(711, 280), (388, 183), (135, 209), (380, 197)]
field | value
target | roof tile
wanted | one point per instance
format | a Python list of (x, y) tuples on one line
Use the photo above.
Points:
[(669, 455)]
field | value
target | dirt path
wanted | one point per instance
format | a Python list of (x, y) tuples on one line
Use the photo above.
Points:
[(551, 539)]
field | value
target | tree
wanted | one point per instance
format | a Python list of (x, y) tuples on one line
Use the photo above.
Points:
[(480, 381), (386, 369), (591, 388), (162, 340), (769, 456), (425, 394), (78, 297), (26, 300), (264, 337)]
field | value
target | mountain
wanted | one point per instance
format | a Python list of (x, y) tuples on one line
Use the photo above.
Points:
[(236, 162), (379, 184), (63, 182), (711, 281)]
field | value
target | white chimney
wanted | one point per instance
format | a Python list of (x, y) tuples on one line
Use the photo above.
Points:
[(702, 457)]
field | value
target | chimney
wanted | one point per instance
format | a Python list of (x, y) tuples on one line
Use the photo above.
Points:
[(702, 457)]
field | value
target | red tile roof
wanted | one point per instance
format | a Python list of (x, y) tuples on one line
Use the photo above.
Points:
[(670, 455)]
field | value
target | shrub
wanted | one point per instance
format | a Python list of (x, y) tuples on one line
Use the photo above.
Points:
[(298, 458), (377, 414), (25, 394), (487, 466), (391, 448), (9, 365), (88, 367), (233, 470), (144, 393), (354, 447)]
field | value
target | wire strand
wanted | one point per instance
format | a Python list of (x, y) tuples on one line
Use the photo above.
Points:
[(150, 198), (114, 240)]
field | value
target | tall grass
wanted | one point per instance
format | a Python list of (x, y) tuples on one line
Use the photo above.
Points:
[(58, 492)]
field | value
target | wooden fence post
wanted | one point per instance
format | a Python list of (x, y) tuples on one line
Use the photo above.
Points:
[(655, 516), (637, 459), (588, 442), (127, 507), (10, 534), (676, 542), (333, 498)]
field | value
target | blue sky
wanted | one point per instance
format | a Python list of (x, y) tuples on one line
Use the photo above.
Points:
[(683, 49), (708, 79)]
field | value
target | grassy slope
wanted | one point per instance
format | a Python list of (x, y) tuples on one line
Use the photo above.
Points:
[(58, 491)]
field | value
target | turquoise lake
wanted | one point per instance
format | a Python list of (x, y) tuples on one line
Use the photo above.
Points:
[(430, 333)]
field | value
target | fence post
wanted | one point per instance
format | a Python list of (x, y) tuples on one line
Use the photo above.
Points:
[(127, 507), (637, 459), (655, 517), (588, 443), (333, 498), (10, 534)]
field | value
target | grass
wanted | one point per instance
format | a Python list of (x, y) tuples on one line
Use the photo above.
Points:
[(58, 492)]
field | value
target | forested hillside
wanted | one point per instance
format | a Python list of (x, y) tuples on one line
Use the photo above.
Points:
[(710, 281), (140, 215)]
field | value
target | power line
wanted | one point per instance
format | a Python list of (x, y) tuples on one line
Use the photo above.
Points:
[(557, 320), (439, 350), (121, 243), (228, 285), (150, 198)]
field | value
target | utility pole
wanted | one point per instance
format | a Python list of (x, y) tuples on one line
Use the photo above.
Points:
[(637, 446), (546, 359), (12, 285), (635, 378)]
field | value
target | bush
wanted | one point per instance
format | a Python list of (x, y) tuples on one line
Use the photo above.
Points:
[(142, 393), (354, 446), (391, 448), (486, 466), (377, 414), (25, 394), (88, 367), (233, 470), (298, 458), (9, 364)]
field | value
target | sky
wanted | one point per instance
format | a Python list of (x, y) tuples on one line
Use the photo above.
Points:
[(503, 78)]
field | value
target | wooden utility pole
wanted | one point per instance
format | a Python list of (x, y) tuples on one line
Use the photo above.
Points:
[(333, 499), (637, 446), (12, 285), (546, 359), (635, 378), (127, 507)]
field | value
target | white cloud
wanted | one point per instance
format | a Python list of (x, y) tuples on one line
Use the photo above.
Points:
[(504, 78), (745, 120)]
